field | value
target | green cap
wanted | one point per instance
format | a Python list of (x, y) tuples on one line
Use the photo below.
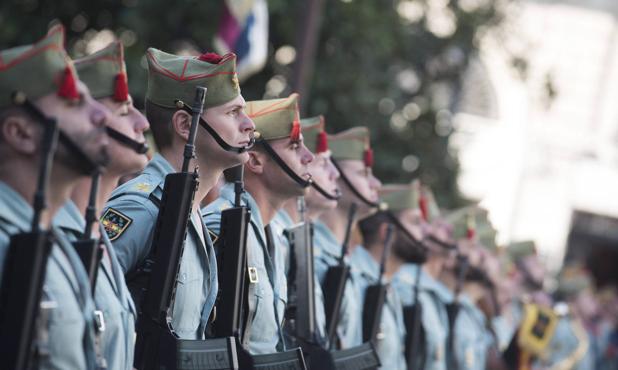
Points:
[(521, 249), (37, 70), (352, 144), (573, 279), (174, 77), (105, 73), (275, 118), (464, 221), (399, 197), (314, 134)]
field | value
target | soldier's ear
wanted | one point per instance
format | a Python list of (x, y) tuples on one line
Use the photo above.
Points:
[(181, 122), (21, 134), (255, 163)]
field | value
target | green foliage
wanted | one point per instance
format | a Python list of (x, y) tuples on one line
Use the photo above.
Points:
[(374, 65)]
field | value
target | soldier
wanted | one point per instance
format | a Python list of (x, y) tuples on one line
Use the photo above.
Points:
[(276, 172), (351, 152), (104, 73), (432, 295), (470, 339), (324, 177), (43, 74), (132, 210), (367, 259)]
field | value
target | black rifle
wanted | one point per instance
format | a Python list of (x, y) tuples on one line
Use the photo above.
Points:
[(300, 313), (158, 346), (412, 317), (89, 249), (452, 310), (375, 295), (25, 266), (232, 263), (334, 283)]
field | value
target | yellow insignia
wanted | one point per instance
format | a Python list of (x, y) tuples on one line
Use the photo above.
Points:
[(142, 186), (114, 223), (213, 237), (224, 206)]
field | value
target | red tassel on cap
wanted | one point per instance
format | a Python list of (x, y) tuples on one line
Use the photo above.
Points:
[(368, 157), (68, 86), (322, 143), (471, 231), (121, 90), (295, 133), (212, 58), (422, 203)]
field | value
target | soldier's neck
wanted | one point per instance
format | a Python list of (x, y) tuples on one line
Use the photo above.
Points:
[(268, 201), (474, 291), (336, 221), (292, 210), (393, 265), (209, 173), (433, 267), (62, 181)]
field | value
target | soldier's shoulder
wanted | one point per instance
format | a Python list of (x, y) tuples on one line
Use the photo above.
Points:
[(214, 209), (138, 188)]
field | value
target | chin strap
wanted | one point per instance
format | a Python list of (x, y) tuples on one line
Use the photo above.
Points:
[(293, 175), (395, 221), (225, 146), (445, 245), (139, 148), (326, 194), (351, 187), (86, 164)]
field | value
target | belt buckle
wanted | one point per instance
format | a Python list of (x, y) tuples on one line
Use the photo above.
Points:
[(99, 321)]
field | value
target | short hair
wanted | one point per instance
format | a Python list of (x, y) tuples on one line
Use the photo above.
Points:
[(160, 120), (370, 228)]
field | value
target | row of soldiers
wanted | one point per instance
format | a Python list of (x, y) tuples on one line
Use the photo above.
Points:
[(251, 239)]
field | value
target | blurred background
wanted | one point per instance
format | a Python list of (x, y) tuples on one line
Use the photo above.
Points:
[(510, 103)]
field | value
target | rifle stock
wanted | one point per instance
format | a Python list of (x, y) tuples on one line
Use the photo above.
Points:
[(375, 296), (334, 283), (88, 248), (26, 265)]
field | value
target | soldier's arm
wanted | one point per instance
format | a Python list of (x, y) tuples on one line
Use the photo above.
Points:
[(4, 247), (129, 224)]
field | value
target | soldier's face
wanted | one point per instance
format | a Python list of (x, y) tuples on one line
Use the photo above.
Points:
[(296, 155), (413, 221), (82, 121), (363, 180), (231, 122), (127, 120), (325, 174)]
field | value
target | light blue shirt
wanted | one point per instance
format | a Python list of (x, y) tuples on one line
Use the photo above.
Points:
[(471, 342), (112, 297), (267, 292), (390, 343), (197, 285), (434, 318), (70, 324), (326, 254)]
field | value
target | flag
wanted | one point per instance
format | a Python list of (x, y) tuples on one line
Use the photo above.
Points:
[(243, 30)]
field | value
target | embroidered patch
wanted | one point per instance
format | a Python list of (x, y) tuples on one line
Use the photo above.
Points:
[(213, 237), (115, 223), (143, 187)]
